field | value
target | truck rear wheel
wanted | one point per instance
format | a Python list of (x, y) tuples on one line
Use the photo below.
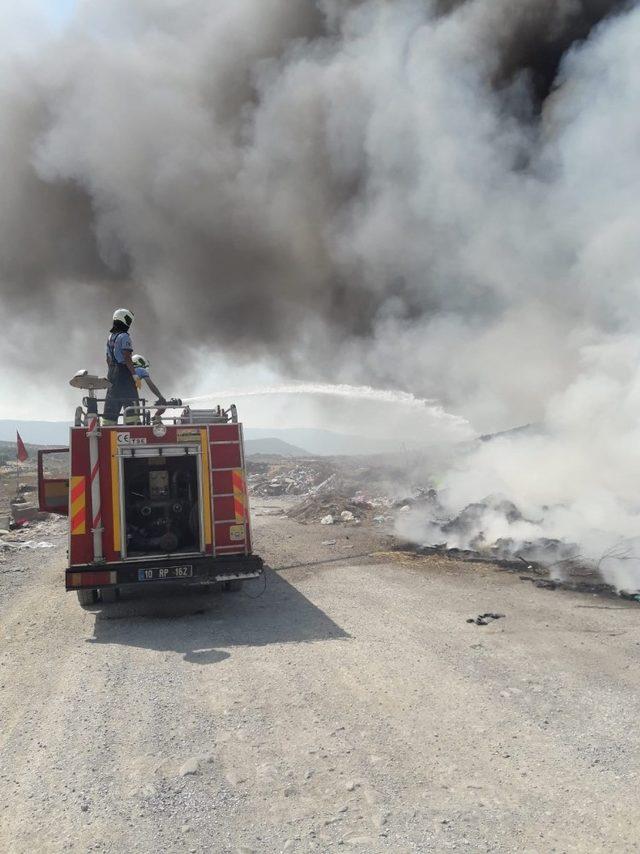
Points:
[(87, 597), (233, 586)]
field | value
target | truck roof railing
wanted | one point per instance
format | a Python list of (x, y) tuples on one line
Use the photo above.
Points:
[(146, 413)]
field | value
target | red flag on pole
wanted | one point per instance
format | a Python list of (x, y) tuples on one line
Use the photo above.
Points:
[(22, 451)]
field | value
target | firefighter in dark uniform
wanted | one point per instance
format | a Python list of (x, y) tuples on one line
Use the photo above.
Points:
[(121, 374)]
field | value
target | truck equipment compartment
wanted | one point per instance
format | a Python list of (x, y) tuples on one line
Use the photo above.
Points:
[(162, 506)]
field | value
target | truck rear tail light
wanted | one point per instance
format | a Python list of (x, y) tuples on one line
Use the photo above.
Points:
[(90, 579)]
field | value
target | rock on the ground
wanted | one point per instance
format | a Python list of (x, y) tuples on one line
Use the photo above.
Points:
[(191, 766)]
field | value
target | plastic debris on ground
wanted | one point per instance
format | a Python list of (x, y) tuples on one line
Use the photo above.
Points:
[(485, 619), (287, 477), (269, 511), (27, 544), (36, 536), (352, 490)]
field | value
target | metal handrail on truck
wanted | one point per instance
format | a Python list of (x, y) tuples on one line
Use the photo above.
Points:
[(187, 416), (144, 413)]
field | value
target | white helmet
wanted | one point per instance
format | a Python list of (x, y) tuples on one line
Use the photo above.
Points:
[(140, 362), (123, 315)]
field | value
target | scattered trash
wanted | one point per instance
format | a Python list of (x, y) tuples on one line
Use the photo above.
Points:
[(352, 490), (546, 583), (632, 597), (28, 513), (323, 487), (329, 542), (469, 524), (288, 477), (327, 520), (485, 619), (467, 532), (28, 544), (339, 504), (589, 584)]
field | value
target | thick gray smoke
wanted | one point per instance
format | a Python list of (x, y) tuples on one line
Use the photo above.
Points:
[(436, 195), (281, 176)]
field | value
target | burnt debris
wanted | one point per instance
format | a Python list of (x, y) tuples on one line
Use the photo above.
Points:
[(485, 619)]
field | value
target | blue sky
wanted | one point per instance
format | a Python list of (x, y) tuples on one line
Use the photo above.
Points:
[(26, 24), (58, 10)]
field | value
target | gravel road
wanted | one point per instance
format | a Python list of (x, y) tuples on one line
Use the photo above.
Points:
[(349, 707)]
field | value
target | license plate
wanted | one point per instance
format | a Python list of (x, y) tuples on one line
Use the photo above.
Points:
[(159, 573)]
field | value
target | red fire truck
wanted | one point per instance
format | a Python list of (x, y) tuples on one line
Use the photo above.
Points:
[(163, 500)]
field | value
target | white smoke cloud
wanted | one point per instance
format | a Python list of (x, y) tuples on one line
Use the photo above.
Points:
[(586, 466)]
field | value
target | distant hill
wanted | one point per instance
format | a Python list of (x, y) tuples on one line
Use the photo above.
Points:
[(316, 442), (272, 446), (296, 439), (269, 447), (326, 442)]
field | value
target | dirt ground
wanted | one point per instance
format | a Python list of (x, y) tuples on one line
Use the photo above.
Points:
[(346, 706)]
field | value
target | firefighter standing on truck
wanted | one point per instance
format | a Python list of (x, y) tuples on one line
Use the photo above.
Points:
[(121, 374)]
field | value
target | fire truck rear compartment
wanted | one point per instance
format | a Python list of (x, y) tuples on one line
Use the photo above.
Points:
[(161, 505)]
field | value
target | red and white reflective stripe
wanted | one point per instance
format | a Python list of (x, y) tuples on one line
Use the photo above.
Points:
[(94, 479), (94, 473)]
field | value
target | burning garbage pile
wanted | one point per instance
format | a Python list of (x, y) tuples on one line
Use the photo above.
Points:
[(495, 530)]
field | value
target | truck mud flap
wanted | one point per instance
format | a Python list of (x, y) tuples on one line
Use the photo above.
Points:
[(188, 570)]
